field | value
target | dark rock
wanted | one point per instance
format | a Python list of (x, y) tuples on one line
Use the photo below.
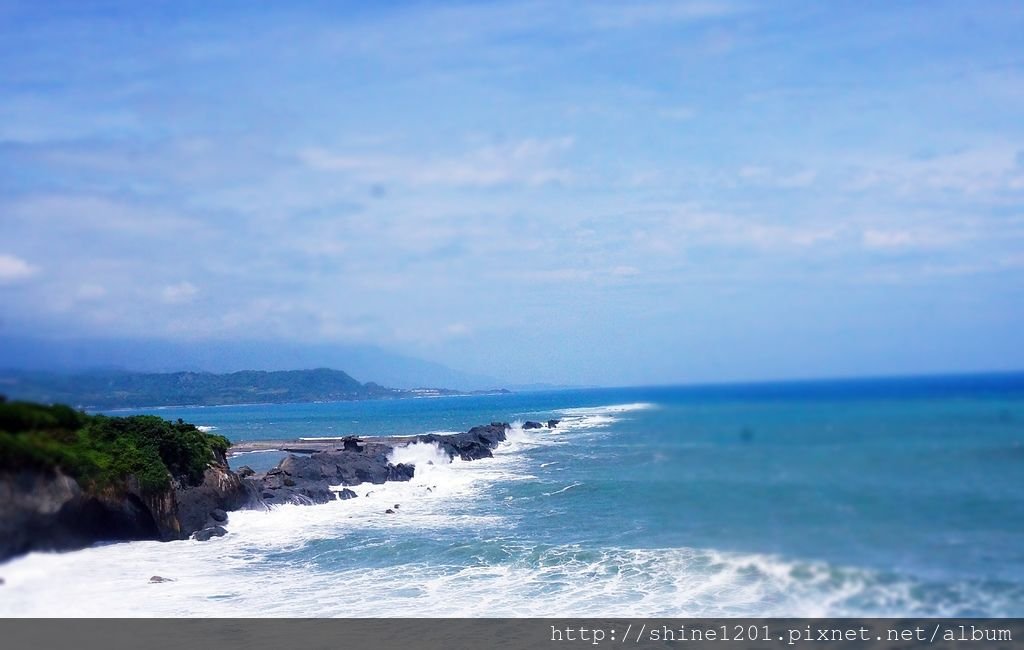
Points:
[(306, 494), (309, 478), (206, 533), (273, 480), (190, 508), (471, 445), (553, 423), (157, 579), (530, 424), (400, 472), (50, 511), (389, 511)]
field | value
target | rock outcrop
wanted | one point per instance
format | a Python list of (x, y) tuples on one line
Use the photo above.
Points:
[(311, 479), (48, 510), (207, 533), (196, 507), (473, 444)]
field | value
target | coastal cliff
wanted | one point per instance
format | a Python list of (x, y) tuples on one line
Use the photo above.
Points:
[(49, 510), (69, 480)]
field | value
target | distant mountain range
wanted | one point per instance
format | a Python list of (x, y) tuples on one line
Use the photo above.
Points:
[(113, 389), (366, 362)]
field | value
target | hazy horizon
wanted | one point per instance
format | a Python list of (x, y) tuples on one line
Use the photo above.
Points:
[(365, 364), (570, 193)]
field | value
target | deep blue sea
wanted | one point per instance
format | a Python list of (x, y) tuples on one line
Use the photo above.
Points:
[(890, 497)]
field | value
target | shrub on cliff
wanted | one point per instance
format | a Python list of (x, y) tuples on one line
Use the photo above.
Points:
[(102, 451)]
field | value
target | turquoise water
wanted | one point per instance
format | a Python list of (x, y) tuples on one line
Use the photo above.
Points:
[(896, 497)]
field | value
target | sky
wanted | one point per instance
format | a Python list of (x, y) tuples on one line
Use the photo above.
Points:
[(586, 193)]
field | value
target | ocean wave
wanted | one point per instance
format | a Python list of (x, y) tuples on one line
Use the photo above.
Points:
[(234, 454), (233, 577), (565, 489), (611, 408), (588, 418)]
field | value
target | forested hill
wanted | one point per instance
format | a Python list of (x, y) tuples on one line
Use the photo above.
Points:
[(106, 390)]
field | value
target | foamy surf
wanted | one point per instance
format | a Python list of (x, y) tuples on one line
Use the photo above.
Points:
[(236, 576), (595, 417), (609, 409), (565, 489)]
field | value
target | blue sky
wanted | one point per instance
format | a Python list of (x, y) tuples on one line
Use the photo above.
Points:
[(592, 192)]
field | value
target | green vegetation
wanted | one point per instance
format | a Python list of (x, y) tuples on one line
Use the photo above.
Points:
[(101, 451)]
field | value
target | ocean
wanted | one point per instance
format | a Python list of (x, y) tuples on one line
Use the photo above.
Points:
[(895, 497)]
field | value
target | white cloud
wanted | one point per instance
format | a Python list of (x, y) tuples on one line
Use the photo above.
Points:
[(771, 177), (974, 172), (887, 238), (458, 329), (553, 275), (527, 162), (619, 15), (90, 292), (14, 269), (680, 113), (85, 212), (687, 227), (624, 271), (179, 293), (923, 236)]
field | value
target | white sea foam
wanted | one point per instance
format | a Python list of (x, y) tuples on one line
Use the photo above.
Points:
[(230, 577), (612, 408), (426, 456), (253, 451), (565, 489), (595, 417)]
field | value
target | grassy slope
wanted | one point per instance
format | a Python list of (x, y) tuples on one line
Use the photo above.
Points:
[(101, 451)]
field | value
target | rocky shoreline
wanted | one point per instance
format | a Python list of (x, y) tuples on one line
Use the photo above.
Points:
[(311, 479), (51, 511)]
